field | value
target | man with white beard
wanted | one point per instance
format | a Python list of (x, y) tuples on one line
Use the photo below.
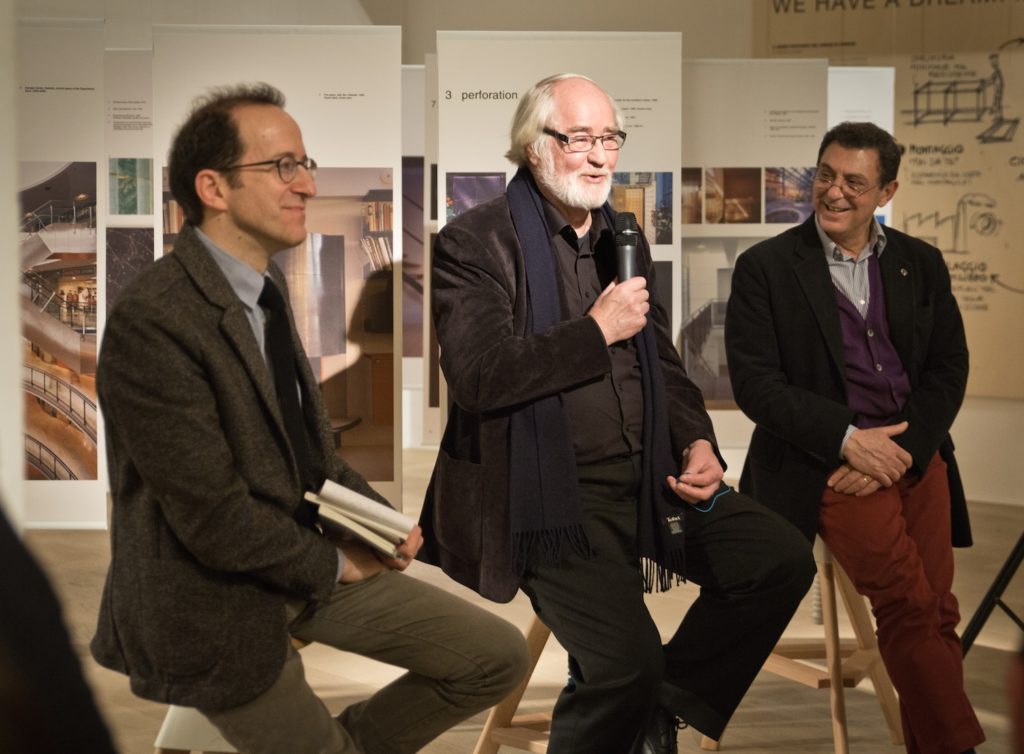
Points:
[(578, 463)]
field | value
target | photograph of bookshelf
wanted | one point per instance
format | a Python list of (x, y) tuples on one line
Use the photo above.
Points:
[(377, 231), (173, 215), (347, 286)]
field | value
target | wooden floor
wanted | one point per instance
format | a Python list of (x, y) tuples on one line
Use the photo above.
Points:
[(776, 716)]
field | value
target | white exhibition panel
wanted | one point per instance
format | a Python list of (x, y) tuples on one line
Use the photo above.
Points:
[(59, 106), (864, 93), (482, 74), (128, 90), (413, 133), (343, 86), (59, 110), (752, 114)]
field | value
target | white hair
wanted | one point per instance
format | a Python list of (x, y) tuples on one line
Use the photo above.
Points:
[(532, 115)]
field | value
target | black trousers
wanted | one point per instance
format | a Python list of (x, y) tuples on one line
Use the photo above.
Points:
[(753, 568)]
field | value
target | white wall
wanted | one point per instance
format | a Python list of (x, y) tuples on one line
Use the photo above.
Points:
[(718, 29), (12, 446), (990, 448), (124, 14)]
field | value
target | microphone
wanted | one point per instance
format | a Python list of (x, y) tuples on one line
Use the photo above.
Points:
[(626, 234)]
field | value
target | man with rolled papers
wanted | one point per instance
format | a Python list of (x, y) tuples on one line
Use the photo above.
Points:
[(578, 463)]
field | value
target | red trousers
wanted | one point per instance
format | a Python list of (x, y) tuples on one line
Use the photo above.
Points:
[(895, 546)]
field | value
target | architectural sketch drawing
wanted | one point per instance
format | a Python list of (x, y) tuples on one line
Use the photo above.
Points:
[(967, 101), (973, 216)]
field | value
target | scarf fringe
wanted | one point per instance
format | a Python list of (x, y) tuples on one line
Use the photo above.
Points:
[(545, 547), (661, 578)]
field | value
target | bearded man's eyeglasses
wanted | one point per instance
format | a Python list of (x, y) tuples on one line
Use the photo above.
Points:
[(586, 142)]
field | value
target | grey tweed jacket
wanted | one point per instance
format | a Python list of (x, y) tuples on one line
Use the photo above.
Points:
[(204, 550)]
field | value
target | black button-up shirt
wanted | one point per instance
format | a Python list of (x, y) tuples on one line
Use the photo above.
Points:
[(605, 415)]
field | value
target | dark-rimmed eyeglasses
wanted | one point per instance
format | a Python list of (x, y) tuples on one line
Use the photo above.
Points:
[(586, 142), (851, 189), (287, 167)]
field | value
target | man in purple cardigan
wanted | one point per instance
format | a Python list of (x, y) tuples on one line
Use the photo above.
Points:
[(846, 347)]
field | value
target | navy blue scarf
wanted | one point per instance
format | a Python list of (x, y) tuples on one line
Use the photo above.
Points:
[(543, 487)]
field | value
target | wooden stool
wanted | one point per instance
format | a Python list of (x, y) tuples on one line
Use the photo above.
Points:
[(847, 662), (186, 729), (503, 726)]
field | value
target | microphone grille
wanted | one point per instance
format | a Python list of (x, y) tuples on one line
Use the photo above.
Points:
[(625, 222)]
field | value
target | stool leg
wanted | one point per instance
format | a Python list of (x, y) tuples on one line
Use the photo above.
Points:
[(501, 714), (710, 744), (864, 630), (833, 657), (159, 750)]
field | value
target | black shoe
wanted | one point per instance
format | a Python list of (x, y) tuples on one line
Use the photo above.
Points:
[(660, 735)]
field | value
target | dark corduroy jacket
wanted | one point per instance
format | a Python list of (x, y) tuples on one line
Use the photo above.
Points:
[(204, 549), (492, 363), (785, 351)]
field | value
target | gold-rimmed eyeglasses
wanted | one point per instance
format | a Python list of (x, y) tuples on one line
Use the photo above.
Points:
[(851, 189)]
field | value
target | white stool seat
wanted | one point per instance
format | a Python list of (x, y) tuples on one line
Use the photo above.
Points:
[(185, 730)]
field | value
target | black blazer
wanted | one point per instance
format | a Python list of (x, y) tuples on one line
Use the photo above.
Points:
[(785, 352)]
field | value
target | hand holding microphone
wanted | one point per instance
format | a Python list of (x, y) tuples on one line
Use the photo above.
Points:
[(621, 309)]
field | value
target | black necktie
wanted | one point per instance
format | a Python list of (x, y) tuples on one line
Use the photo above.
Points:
[(281, 354)]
